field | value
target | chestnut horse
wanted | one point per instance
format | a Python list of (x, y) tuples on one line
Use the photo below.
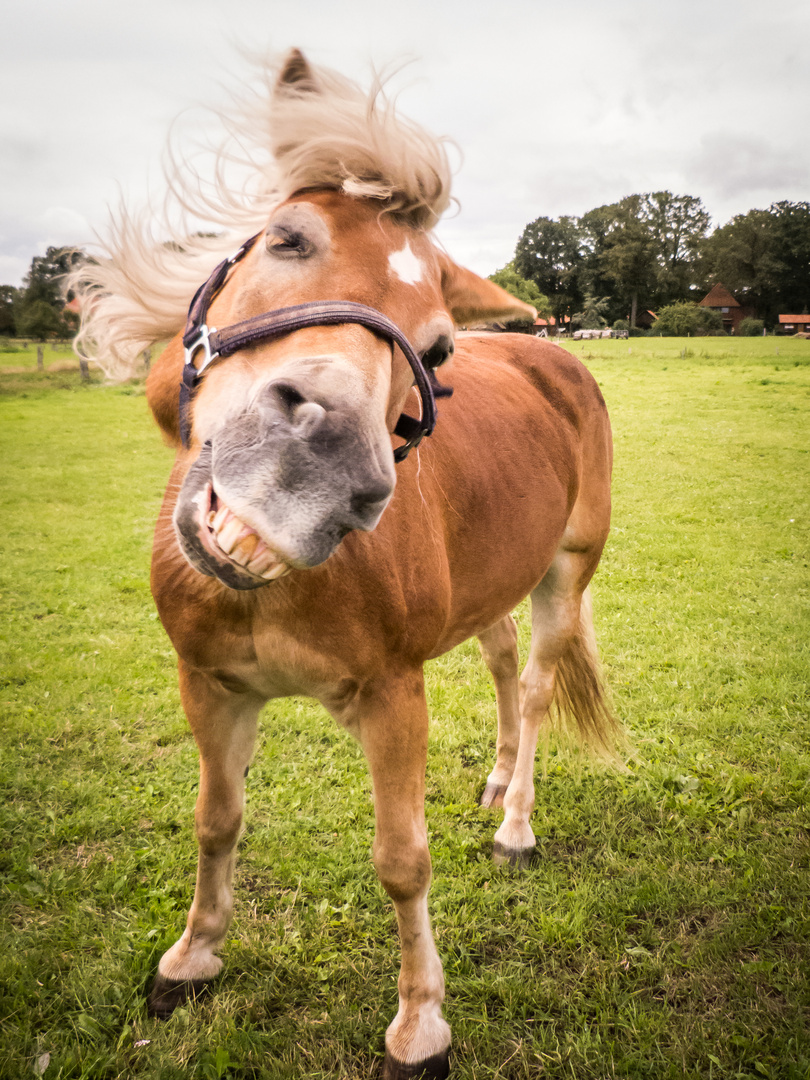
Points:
[(301, 549)]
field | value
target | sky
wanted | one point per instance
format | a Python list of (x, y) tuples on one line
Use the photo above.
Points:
[(555, 107)]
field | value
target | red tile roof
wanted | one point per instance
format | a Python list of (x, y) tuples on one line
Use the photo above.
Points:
[(719, 296), (793, 320)]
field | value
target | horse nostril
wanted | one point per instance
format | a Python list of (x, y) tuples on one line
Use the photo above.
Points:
[(370, 498), (287, 395), (304, 416)]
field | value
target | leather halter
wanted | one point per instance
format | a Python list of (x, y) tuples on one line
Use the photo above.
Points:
[(217, 344)]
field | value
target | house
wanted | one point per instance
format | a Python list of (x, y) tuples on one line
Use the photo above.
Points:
[(645, 319), (794, 324), (732, 313), (545, 327)]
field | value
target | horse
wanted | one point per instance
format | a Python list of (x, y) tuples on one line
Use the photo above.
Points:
[(318, 539)]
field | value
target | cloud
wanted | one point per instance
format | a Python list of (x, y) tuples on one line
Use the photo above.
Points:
[(60, 225), (556, 108), (740, 169), (13, 269)]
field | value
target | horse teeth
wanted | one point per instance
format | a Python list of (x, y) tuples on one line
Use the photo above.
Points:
[(275, 571), (228, 535), (219, 517), (243, 552), (262, 560)]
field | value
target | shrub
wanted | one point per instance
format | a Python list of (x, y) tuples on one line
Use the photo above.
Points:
[(751, 328), (685, 318), (621, 325)]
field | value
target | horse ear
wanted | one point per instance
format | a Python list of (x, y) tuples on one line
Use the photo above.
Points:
[(163, 390), (296, 74), (470, 298)]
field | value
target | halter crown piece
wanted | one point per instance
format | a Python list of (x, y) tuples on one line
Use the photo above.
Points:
[(217, 344)]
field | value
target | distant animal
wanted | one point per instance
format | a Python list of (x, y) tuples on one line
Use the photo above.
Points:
[(327, 528)]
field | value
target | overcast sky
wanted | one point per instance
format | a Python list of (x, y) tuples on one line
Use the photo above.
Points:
[(556, 107)]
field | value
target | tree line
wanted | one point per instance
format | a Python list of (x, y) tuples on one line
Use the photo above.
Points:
[(37, 309), (655, 250), (646, 252)]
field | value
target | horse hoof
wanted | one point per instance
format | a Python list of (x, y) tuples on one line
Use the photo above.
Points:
[(433, 1068), (167, 995), (493, 795), (521, 858)]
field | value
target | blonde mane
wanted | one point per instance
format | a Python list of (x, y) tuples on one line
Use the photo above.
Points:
[(317, 129)]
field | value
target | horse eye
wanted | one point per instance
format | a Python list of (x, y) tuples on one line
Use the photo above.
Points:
[(438, 353), (288, 244)]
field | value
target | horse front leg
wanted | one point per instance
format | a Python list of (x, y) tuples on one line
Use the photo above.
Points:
[(224, 726), (393, 727)]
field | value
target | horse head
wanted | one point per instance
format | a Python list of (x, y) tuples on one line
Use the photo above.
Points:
[(290, 438)]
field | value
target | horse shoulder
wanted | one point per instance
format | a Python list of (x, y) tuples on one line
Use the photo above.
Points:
[(163, 390)]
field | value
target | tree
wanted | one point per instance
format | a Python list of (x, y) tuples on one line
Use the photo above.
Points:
[(8, 298), (679, 224), (37, 319), (596, 226), (593, 314), (45, 278), (39, 305), (548, 253), (508, 278), (791, 248), (763, 257), (642, 249), (630, 257), (743, 255)]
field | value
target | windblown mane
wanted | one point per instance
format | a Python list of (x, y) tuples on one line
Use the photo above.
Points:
[(320, 131)]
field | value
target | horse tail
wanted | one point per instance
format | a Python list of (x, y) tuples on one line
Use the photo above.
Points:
[(580, 697)]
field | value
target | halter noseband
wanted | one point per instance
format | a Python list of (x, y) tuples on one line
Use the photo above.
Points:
[(216, 344)]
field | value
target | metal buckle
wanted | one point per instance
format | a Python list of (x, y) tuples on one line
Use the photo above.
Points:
[(201, 341)]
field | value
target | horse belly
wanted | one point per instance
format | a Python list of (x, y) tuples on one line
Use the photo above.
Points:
[(491, 572), (509, 466)]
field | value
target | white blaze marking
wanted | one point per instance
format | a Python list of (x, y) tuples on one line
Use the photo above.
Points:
[(406, 265)]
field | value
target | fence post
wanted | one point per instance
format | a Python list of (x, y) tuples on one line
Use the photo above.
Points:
[(147, 359), (84, 369), (40, 357)]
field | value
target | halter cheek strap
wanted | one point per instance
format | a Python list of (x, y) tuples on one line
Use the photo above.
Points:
[(215, 345)]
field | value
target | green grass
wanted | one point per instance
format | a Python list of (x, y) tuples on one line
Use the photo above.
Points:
[(16, 353), (664, 931)]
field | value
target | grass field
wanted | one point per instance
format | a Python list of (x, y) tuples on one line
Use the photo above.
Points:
[(664, 930)]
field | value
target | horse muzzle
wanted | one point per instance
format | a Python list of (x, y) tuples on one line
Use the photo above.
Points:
[(279, 486)]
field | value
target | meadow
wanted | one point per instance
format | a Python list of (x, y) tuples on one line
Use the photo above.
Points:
[(663, 930)]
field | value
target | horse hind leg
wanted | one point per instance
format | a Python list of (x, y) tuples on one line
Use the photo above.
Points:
[(562, 668), (499, 649)]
